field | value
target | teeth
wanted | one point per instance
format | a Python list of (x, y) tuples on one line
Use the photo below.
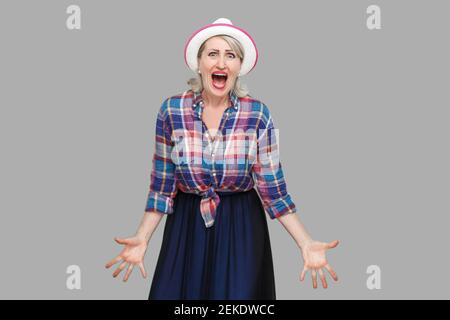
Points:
[(220, 75)]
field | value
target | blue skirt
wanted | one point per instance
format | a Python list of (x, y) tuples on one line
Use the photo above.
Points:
[(231, 260)]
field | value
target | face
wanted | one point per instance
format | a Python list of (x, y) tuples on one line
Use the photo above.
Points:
[(218, 58)]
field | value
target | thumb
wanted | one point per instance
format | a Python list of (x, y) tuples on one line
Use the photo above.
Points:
[(122, 240), (129, 241), (333, 244)]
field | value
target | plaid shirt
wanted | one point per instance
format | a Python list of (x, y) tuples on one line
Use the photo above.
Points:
[(243, 155)]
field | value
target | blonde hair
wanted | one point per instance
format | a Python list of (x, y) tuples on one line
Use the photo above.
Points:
[(239, 88)]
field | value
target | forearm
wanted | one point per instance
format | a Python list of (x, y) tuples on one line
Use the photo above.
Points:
[(148, 225), (296, 229)]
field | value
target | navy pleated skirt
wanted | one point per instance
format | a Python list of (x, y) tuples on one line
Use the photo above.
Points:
[(231, 260)]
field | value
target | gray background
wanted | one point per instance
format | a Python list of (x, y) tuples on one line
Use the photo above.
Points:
[(363, 118)]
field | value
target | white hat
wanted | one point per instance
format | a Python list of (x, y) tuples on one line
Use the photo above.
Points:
[(221, 26)]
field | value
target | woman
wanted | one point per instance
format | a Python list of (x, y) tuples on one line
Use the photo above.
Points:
[(216, 173)]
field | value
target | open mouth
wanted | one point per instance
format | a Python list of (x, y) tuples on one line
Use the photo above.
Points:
[(219, 80)]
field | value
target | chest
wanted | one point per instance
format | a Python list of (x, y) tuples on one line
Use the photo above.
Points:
[(212, 118)]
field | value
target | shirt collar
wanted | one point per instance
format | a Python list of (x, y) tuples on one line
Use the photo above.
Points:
[(198, 100)]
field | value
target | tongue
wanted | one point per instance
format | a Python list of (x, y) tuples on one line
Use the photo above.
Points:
[(219, 82)]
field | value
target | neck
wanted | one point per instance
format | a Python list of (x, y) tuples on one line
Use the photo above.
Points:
[(215, 101)]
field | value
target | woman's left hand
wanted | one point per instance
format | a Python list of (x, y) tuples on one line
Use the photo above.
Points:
[(314, 260)]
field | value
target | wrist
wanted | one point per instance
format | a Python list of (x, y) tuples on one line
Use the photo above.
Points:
[(143, 235), (304, 243)]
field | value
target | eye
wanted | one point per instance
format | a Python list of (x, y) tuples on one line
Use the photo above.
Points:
[(232, 55), (211, 53)]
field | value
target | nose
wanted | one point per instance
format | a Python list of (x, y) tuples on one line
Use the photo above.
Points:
[(221, 63)]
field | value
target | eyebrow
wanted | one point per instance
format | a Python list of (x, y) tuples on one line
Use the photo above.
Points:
[(219, 50)]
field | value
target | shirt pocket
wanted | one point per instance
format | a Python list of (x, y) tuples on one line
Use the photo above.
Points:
[(240, 154), (187, 149)]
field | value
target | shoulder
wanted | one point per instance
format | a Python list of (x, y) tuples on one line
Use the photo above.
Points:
[(173, 103)]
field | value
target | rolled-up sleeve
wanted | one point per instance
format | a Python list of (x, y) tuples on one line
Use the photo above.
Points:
[(268, 173), (162, 189)]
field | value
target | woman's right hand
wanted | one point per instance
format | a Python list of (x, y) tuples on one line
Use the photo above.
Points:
[(133, 254)]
